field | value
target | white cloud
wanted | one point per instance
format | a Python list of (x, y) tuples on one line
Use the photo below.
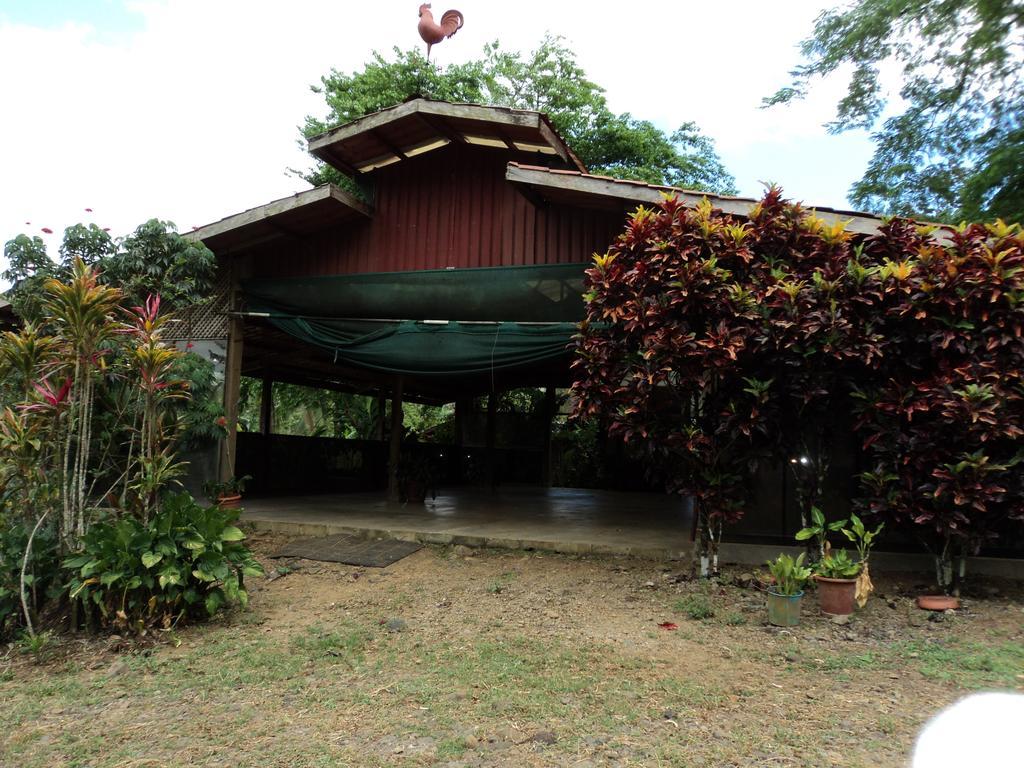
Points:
[(191, 113)]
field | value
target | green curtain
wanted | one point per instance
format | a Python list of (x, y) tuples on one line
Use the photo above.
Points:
[(431, 349), (430, 322), (545, 293)]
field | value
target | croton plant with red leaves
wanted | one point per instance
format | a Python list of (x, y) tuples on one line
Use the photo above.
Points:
[(663, 354), (944, 420), (713, 342)]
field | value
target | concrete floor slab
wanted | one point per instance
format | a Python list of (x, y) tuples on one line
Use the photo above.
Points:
[(559, 519), (570, 520)]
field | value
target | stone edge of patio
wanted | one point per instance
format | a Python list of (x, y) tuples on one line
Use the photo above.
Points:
[(737, 553), (571, 547)]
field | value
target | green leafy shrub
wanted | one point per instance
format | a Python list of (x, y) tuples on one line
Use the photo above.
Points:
[(187, 561), (42, 574)]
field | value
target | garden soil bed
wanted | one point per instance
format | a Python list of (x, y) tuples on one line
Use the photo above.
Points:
[(455, 657)]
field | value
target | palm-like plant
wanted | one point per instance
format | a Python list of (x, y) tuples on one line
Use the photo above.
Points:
[(82, 314), (153, 362), (23, 353)]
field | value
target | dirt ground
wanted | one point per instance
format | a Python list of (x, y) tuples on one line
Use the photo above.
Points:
[(455, 657)]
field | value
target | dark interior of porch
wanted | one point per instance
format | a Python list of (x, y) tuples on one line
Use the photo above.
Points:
[(487, 450)]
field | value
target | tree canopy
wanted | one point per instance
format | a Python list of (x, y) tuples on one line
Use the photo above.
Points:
[(956, 151), (153, 260), (547, 79)]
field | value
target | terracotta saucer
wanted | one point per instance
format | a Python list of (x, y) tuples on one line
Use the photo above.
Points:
[(938, 602)]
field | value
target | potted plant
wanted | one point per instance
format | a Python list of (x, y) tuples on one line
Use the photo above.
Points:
[(836, 575), (228, 493), (789, 575), (819, 530), (841, 580)]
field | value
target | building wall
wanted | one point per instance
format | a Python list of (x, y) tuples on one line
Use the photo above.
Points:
[(447, 208)]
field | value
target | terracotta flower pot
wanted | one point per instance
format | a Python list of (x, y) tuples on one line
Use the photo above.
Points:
[(836, 596), (938, 602), (229, 501)]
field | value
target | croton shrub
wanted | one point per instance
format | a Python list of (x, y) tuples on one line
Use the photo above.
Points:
[(663, 355), (715, 342), (944, 419)]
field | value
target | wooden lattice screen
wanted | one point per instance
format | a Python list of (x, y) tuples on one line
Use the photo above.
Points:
[(206, 320)]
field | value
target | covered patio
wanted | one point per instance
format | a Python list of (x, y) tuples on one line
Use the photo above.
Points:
[(450, 272), (575, 521), (570, 520)]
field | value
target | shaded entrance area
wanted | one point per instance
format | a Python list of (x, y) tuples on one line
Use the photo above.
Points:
[(572, 520)]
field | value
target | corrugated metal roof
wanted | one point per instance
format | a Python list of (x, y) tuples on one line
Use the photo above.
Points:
[(588, 184), (300, 214)]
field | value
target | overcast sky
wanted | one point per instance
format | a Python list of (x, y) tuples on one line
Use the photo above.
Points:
[(188, 110)]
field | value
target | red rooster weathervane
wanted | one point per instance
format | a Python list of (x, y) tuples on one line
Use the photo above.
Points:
[(432, 32)]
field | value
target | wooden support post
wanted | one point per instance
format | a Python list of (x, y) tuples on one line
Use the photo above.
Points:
[(232, 390), (492, 480), (267, 406), (395, 448), (550, 407)]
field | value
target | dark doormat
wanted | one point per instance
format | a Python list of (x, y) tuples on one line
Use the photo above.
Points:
[(351, 550)]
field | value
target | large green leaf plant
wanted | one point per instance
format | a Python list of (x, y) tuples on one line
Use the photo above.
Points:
[(188, 561)]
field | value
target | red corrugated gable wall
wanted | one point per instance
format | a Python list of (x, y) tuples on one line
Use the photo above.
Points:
[(447, 208)]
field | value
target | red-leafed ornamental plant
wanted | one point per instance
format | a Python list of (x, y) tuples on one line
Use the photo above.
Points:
[(663, 356), (818, 302), (944, 423), (717, 342), (714, 342)]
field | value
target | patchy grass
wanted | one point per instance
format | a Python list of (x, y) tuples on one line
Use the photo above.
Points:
[(568, 666), (847, 662), (697, 606), (967, 663), (345, 643)]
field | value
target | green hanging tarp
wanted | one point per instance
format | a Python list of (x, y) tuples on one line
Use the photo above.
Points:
[(432, 322), (430, 348), (545, 293)]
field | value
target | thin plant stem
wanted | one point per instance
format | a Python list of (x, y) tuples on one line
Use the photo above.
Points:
[(24, 566)]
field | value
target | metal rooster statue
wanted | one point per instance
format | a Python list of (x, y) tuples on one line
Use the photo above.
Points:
[(432, 32)]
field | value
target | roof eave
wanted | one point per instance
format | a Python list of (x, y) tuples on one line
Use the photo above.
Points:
[(262, 223), (326, 146), (628, 191)]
